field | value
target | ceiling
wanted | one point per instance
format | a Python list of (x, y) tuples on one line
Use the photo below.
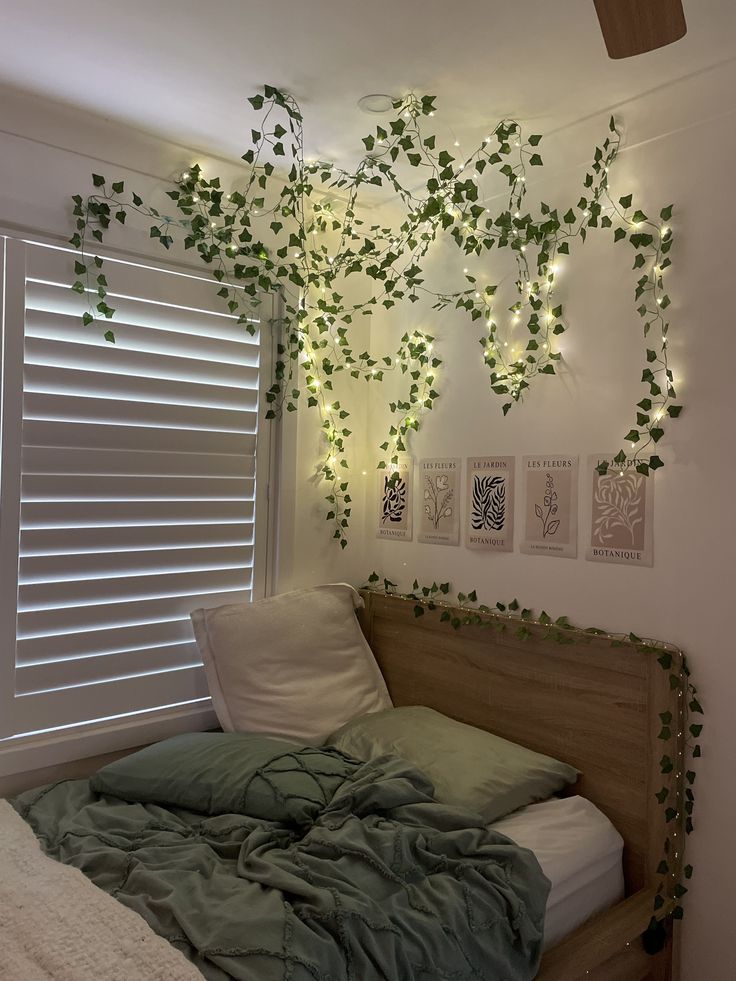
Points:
[(182, 69)]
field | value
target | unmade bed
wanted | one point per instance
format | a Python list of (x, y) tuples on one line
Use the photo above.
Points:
[(264, 860)]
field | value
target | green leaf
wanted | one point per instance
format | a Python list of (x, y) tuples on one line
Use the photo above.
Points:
[(535, 160), (98, 180), (118, 187), (625, 201)]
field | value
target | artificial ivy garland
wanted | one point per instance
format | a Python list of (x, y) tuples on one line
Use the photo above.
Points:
[(465, 610), (270, 236)]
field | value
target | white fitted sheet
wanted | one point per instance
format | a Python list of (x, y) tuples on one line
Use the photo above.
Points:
[(580, 852)]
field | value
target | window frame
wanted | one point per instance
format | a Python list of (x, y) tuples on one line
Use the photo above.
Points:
[(77, 740)]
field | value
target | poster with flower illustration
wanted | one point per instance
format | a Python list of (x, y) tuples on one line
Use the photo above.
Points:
[(395, 504), (489, 514), (551, 506), (621, 517), (439, 523)]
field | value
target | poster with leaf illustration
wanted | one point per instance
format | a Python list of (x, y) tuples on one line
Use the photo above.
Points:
[(551, 506), (621, 516), (489, 512), (439, 523), (395, 504)]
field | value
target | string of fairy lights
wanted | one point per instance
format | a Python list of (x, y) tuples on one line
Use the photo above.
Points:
[(679, 736), (295, 228)]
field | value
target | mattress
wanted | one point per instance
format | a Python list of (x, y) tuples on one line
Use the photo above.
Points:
[(580, 852)]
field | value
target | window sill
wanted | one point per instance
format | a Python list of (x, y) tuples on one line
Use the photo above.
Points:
[(37, 751)]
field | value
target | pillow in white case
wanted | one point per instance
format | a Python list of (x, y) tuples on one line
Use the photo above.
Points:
[(295, 665)]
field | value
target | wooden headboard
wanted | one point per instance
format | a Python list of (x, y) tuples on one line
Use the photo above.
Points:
[(590, 704)]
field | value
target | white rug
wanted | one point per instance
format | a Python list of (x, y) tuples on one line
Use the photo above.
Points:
[(55, 925)]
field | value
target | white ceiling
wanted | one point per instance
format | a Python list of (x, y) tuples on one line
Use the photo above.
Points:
[(183, 69)]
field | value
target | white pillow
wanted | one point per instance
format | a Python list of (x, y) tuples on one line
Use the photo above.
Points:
[(295, 665)]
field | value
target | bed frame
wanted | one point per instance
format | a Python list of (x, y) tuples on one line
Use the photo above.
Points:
[(591, 705)]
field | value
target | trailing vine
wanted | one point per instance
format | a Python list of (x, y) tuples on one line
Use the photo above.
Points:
[(680, 736), (292, 228)]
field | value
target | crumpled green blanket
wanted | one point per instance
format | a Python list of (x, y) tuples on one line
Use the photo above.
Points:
[(385, 885)]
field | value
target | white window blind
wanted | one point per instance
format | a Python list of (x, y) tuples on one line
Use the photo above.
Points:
[(128, 488)]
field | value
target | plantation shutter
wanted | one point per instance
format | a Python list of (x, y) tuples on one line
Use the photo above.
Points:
[(135, 480)]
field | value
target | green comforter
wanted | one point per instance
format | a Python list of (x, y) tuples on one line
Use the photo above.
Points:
[(386, 884)]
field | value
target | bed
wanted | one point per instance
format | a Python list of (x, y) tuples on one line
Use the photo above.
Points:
[(599, 846), (588, 703)]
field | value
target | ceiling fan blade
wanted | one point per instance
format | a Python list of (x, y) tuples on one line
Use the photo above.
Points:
[(631, 27)]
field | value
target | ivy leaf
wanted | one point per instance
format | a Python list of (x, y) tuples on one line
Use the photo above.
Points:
[(98, 180)]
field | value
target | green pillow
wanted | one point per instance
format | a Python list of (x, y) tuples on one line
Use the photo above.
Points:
[(471, 769), (229, 773)]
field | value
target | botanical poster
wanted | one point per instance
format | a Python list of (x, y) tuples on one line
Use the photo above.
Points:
[(440, 496), (395, 503), (621, 514), (489, 514), (551, 506)]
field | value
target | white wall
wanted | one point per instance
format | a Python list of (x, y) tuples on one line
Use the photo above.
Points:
[(681, 147)]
